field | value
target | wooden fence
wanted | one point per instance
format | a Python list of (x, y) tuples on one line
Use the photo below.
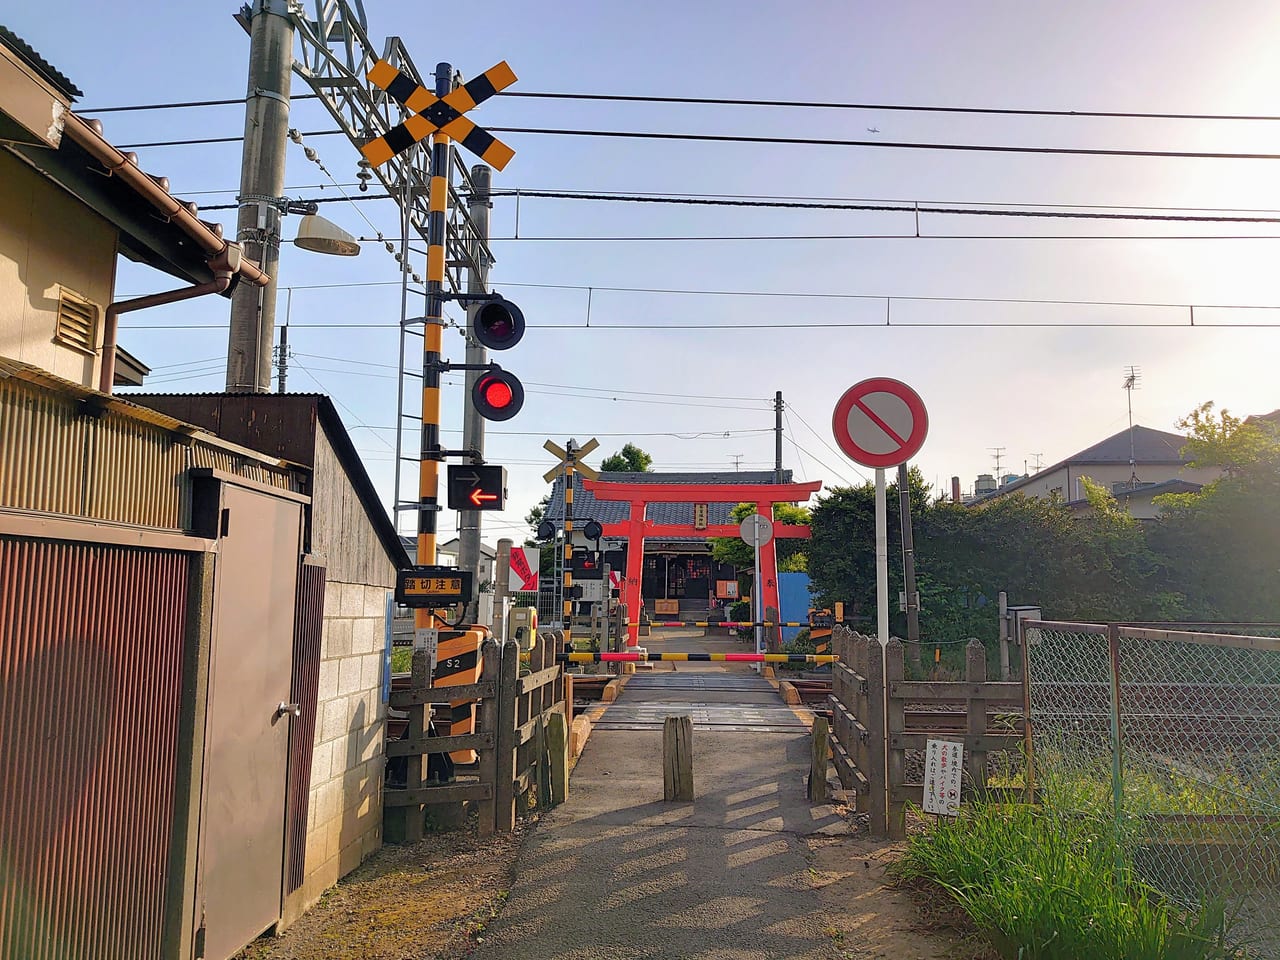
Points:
[(524, 705), (879, 718)]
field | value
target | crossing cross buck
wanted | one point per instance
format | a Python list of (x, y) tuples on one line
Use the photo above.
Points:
[(444, 114)]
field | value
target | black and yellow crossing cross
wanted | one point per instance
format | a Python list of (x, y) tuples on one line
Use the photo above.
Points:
[(443, 114)]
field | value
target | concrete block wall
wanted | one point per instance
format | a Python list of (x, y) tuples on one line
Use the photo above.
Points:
[(344, 823)]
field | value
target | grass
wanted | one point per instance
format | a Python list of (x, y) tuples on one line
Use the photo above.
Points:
[(1046, 887)]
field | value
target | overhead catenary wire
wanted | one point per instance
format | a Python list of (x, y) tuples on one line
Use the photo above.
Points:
[(758, 102)]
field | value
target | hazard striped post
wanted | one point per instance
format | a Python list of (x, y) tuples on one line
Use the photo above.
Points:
[(567, 582)]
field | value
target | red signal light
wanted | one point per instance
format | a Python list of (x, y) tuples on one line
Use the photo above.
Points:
[(497, 395)]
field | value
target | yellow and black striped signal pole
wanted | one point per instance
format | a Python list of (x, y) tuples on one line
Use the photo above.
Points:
[(432, 343), (570, 449)]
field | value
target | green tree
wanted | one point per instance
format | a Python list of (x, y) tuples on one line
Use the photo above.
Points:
[(630, 459), (736, 551), (1219, 549)]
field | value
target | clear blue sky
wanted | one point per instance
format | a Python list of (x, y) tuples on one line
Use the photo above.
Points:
[(1045, 391)]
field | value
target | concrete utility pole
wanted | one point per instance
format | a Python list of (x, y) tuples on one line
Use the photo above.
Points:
[(478, 209), (777, 437), (909, 563), (266, 127)]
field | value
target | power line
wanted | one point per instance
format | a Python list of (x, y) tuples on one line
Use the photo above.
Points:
[(737, 102), (788, 141), (840, 458)]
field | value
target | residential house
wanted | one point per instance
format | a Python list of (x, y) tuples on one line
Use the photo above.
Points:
[(1136, 465), (194, 630)]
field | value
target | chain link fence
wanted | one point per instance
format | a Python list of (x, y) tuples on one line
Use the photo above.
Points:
[(1172, 735)]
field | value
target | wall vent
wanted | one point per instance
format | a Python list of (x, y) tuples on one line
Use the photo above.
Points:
[(77, 321)]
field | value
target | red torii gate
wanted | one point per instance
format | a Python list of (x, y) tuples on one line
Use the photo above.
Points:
[(637, 528)]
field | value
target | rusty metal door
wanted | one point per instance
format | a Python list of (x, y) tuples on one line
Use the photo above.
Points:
[(247, 731)]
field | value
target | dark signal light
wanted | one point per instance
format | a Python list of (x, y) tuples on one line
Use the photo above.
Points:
[(498, 324), (497, 395)]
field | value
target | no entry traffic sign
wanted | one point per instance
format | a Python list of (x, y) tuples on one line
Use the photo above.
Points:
[(880, 422)]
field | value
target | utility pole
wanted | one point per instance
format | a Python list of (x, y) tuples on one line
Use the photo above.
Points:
[(478, 209), (909, 564), (777, 437), (266, 128), (282, 367)]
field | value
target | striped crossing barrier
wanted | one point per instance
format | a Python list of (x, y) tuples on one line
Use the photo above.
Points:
[(694, 658), (457, 663), (724, 623)]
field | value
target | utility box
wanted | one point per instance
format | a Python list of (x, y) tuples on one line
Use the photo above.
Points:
[(522, 626), (1016, 617)]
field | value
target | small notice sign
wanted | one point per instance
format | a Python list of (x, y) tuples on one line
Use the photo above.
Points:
[(943, 762)]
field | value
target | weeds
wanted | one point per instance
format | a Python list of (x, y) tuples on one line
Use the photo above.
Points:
[(1047, 887)]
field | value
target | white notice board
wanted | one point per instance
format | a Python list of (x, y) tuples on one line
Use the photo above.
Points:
[(943, 762)]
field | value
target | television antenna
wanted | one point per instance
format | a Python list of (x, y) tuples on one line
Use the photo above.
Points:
[(1132, 377)]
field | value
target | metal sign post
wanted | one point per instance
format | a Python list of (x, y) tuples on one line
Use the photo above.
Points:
[(757, 530), (881, 423)]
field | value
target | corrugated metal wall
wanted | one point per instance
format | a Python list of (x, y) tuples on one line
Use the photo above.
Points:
[(91, 644), (308, 627), (58, 459)]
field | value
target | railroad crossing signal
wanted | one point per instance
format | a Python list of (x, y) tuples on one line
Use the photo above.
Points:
[(443, 114), (477, 487)]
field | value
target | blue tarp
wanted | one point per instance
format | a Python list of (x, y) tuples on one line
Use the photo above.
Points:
[(793, 594)]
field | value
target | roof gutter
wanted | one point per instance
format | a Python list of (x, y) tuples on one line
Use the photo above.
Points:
[(224, 266), (88, 134)]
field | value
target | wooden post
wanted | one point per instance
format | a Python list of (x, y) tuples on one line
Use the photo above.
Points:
[(406, 824), (541, 766), (501, 581), (975, 760), (873, 754), (677, 758), (818, 762), (558, 748), (1003, 611), (504, 786), (490, 718), (896, 723)]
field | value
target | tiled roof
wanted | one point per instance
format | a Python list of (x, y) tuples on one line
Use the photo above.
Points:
[(587, 507), (1149, 446), (48, 72)]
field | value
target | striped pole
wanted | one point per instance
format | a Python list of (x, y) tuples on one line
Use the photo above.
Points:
[(567, 610), (694, 658), (431, 455)]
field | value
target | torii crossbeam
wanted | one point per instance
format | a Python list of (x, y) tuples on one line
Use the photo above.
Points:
[(637, 528)]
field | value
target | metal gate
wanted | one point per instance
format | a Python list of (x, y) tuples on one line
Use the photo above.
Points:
[(91, 644)]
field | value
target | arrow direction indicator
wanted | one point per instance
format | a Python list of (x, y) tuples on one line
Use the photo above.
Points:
[(477, 487)]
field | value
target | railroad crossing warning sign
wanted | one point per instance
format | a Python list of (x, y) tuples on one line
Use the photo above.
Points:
[(880, 422), (578, 466), (443, 114), (523, 575)]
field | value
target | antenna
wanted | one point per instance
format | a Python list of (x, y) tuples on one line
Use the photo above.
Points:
[(1039, 458), (997, 454), (737, 460), (1132, 376)]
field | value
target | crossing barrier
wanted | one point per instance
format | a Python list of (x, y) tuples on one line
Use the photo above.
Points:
[(724, 623), (695, 658)]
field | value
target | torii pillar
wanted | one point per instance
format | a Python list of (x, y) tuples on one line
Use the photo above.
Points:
[(636, 528)]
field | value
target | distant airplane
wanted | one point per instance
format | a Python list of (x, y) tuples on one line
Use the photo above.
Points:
[(873, 129)]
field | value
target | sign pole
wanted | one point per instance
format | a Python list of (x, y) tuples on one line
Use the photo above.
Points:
[(757, 594), (882, 561)]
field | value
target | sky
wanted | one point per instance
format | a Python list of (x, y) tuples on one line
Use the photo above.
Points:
[(1039, 380)]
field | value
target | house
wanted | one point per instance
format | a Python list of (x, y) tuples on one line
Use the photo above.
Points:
[(447, 554), (192, 659), (1131, 464)]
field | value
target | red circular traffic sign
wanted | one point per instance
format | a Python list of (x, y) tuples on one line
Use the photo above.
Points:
[(880, 422)]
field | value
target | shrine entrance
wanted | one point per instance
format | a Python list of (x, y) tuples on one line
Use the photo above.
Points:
[(636, 528)]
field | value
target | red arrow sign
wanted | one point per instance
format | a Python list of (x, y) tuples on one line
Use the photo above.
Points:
[(478, 498)]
